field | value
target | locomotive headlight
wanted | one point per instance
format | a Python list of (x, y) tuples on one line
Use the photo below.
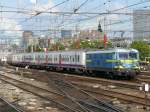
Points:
[(119, 67)]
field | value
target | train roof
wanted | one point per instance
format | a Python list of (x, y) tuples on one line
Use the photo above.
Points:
[(91, 50), (114, 50)]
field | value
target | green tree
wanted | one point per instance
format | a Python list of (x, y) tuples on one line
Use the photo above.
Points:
[(56, 46), (38, 49), (92, 44), (142, 47)]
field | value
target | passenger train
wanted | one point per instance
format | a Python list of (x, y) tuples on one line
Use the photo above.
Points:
[(111, 62)]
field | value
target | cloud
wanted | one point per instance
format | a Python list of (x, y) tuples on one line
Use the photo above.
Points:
[(33, 1), (8, 28), (45, 7)]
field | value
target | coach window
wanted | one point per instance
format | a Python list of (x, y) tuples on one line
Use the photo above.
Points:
[(44, 57), (56, 58), (78, 58), (65, 58), (35, 57), (50, 58), (72, 58), (75, 58), (68, 58), (40, 57)]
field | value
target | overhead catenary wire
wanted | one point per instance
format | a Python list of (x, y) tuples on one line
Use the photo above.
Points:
[(111, 12), (40, 12), (82, 13), (76, 9)]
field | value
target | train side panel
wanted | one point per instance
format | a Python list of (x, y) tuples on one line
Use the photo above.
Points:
[(100, 61)]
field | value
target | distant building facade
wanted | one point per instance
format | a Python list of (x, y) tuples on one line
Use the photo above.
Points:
[(26, 38), (141, 25), (66, 33), (88, 34), (121, 42)]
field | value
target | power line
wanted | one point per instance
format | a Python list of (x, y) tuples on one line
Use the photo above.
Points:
[(130, 5), (40, 12), (75, 10)]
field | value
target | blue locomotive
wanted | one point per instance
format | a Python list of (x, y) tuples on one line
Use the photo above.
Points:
[(114, 62)]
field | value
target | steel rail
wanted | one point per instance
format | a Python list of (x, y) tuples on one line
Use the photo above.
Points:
[(12, 107), (26, 86), (114, 94), (122, 96), (66, 87)]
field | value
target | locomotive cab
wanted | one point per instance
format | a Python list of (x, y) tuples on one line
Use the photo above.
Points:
[(128, 62)]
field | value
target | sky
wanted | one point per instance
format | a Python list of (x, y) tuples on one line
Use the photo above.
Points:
[(19, 15)]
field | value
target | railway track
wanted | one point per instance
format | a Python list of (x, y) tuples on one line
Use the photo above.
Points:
[(6, 106), (63, 100), (75, 78), (102, 92), (125, 97), (90, 102), (79, 80), (144, 78), (58, 99)]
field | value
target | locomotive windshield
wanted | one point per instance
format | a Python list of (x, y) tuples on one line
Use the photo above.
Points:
[(128, 55), (123, 55), (132, 55)]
